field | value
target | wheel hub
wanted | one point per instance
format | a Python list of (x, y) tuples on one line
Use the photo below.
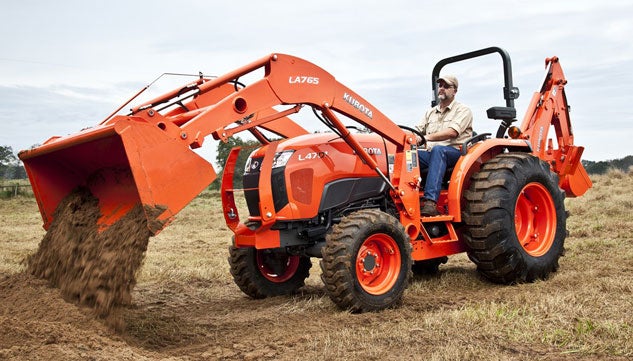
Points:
[(369, 262)]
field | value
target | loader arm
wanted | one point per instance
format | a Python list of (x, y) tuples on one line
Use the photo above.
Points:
[(291, 81), (548, 108), (138, 158), (145, 157)]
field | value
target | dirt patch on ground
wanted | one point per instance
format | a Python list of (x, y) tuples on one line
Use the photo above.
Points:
[(92, 268), (185, 305)]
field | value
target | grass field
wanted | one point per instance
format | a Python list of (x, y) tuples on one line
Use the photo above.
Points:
[(186, 307)]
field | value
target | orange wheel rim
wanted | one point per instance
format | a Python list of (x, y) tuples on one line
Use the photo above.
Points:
[(378, 264), (288, 266), (535, 219)]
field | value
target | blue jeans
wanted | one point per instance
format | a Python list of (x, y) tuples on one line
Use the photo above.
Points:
[(437, 160)]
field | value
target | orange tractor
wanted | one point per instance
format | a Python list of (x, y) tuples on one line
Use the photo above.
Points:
[(350, 197)]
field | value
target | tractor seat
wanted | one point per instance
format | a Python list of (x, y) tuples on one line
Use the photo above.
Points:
[(467, 144)]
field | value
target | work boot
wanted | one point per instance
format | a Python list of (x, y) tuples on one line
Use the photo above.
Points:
[(429, 209)]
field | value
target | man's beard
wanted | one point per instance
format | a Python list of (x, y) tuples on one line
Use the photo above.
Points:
[(443, 97)]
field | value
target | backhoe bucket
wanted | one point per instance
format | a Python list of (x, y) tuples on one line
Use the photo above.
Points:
[(124, 163)]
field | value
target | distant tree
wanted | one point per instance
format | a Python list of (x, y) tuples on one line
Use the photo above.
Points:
[(10, 166), (16, 171), (7, 160), (223, 153), (6, 155), (623, 164)]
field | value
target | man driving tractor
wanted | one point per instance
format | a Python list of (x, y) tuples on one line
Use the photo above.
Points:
[(445, 127)]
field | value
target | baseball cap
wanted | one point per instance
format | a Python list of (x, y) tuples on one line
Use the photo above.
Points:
[(449, 79)]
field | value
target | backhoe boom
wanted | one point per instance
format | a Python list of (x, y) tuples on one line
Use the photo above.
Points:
[(547, 109)]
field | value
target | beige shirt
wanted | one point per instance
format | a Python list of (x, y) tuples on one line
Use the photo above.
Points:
[(456, 116)]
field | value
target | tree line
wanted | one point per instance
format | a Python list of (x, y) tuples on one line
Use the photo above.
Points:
[(601, 167)]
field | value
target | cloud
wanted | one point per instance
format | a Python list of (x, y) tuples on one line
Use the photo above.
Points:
[(33, 114), (73, 62)]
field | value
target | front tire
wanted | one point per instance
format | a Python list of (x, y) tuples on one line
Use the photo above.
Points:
[(366, 261), (515, 219), (266, 272)]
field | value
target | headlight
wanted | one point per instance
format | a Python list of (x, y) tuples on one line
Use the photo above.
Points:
[(282, 158), (249, 160)]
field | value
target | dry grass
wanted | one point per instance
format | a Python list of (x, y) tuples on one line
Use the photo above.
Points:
[(186, 306), (192, 247), (20, 232)]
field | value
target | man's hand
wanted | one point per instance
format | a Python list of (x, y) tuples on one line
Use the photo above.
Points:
[(420, 141)]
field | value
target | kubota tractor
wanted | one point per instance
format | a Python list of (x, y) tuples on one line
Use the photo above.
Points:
[(349, 197)]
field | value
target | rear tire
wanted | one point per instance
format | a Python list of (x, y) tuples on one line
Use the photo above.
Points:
[(366, 261), (267, 272), (515, 219)]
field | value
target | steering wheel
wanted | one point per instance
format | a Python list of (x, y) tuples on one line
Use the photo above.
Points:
[(415, 131)]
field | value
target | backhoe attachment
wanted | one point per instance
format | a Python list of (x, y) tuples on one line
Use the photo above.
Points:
[(549, 109)]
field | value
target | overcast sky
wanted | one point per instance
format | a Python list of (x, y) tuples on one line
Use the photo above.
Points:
[(65, 65)]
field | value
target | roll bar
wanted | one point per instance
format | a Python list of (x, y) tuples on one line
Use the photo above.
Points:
[(510, 92)]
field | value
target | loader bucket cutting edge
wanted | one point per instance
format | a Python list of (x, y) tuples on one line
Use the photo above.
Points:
[(123, 164)]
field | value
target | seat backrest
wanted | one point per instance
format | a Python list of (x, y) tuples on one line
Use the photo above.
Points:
[(507, 115), (502, 113)]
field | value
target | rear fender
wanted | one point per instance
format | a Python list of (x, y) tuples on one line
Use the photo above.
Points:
[(470, 163)]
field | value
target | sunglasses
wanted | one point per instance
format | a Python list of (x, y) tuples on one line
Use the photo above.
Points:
[(444, 85)]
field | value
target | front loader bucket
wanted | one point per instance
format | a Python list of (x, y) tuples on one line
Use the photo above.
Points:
[(124, 163)]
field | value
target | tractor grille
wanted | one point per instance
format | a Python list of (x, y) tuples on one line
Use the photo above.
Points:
[(250, 183)]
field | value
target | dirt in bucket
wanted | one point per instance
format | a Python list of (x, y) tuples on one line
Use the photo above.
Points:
[(92, 268)]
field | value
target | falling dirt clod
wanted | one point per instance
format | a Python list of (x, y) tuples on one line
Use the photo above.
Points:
[(91, 267)]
